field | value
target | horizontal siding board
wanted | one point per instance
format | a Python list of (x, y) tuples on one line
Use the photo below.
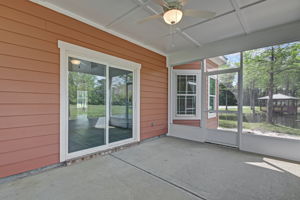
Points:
[(154, 89), (155, 133), (32, 109), (187, 122), (152, 95), (30, 120), (26, 41), (154, 78), (154, 117), (27, 30), (152, 106), (27, 154), (153, 72), (33, 87), (26, 52), (155, 100), (23, 75), (154, 112), (27, 132), (146, 130), (28, 143), (153, 123), (155, 67), (21, 17), (26, 64), (27, 165), (28, 98), (153, 84)]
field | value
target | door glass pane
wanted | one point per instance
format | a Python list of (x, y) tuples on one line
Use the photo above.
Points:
[(121, 96), (223, 92), (212, 86), (222, 97), (86, 104)]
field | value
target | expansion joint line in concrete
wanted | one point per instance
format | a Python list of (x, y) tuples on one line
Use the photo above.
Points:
[(160, 178)]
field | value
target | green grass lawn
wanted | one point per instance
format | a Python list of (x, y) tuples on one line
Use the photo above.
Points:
[(263, 127), (229, 120), (246, 109), (96, 111)]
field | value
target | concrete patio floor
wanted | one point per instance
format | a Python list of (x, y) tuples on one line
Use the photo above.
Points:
[(165, 168)]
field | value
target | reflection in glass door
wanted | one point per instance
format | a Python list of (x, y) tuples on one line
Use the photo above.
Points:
[(120, 109), (87, 82), (100, 104)]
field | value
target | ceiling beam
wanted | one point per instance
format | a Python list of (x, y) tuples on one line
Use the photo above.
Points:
[(222, 15), (240, 16), (120, 18), (188, 37)]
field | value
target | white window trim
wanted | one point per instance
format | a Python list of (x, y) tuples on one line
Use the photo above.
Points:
[(176, 72), (71, 50), (211, 114)]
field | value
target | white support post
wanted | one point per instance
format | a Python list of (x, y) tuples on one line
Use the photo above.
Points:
[(107, 106), (203, 99), (240, 101)]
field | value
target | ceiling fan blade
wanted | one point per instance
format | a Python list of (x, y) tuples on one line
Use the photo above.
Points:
[(199, 13), (162, 3), (149, 18), (183, 2)]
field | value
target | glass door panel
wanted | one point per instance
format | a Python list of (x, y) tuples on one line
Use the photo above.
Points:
[(87, 106), (120, 109), (223, 101)]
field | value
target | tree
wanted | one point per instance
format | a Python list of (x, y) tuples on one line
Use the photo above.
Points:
[(268, 69)]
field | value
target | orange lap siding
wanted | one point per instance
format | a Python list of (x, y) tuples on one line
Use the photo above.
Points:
[(29, 82)]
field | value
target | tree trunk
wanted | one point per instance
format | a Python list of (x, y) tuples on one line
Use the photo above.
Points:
[(252, 98), (271, 90), (226, 100)]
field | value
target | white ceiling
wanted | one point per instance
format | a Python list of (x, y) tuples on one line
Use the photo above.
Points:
[(234, 18)]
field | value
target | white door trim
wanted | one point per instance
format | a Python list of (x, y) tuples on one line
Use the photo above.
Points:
[(67, 50)]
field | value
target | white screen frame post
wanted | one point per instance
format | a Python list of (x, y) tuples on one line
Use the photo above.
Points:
[(70, 50)]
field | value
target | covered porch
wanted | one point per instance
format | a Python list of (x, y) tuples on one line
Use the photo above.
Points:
[(165, 168)]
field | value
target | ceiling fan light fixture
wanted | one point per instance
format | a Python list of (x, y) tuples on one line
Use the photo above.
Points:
[(173, 16), (75, 62)]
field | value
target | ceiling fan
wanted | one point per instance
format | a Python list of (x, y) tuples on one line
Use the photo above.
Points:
[(174, 12)]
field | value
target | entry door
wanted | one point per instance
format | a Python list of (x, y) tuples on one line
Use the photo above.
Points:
[(222, 107), (100, 106)]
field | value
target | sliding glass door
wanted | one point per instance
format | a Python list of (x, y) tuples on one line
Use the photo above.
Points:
[(120, 100), (87, 104), (100, 104)]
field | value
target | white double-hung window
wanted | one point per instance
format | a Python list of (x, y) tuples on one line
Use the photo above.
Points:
[(186, 94)]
